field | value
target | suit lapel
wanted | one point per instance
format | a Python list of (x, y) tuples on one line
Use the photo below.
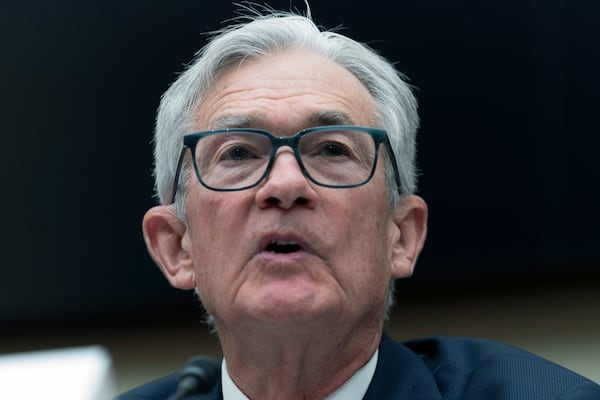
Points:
[(401, 374)]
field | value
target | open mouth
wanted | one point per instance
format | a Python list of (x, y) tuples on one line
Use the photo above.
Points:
[(283, 247)]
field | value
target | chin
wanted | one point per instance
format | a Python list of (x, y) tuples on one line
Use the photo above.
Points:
[(292, 307)]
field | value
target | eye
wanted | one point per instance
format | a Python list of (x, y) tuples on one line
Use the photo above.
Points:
[(240, 149), (236, 153), (332, 145), (333, 149)]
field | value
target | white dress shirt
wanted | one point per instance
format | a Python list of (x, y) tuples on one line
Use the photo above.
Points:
[(353, 389)]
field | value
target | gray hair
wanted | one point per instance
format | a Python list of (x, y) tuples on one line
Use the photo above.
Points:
[(265, 33)]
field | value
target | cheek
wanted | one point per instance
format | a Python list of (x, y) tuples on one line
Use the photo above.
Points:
[(213, 227), (363, 239), (213, 217)]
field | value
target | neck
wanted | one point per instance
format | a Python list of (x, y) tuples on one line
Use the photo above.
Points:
[(292, 363)]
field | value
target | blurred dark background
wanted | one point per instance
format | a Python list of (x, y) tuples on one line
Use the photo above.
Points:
[(508, 95)]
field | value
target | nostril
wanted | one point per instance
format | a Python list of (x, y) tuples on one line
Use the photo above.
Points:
[(273, 201)]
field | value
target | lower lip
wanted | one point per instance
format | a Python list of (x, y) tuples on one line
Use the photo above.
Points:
[(282, 257)]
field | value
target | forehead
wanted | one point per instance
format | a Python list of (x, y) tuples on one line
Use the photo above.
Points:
[(285, 90)]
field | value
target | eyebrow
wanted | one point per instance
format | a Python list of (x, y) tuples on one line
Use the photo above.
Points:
[(318, 118), (234, 121)]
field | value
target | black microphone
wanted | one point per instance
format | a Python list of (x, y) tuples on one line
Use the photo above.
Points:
[(198, 375)]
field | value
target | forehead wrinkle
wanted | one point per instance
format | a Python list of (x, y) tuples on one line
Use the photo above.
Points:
[(319, 92)]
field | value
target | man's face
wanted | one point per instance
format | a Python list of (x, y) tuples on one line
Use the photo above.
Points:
[(289, 251)]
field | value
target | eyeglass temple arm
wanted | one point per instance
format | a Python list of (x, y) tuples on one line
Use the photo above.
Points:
[(177, 173), (392, 159)]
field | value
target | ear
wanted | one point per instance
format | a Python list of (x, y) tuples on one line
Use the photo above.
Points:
[(410, 220), (164, 233)]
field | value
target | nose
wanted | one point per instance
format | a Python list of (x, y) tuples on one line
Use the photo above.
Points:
[(286, 186)]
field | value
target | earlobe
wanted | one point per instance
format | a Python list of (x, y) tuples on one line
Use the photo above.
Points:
[(164, 233), (410, 220)]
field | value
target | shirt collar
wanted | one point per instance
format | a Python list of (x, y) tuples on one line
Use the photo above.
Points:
[(353, 389)]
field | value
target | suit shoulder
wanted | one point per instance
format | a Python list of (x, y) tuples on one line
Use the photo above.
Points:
[(464, 351), (464, 354), (487, 369)]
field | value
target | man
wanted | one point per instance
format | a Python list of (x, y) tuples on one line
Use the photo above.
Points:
[(285, 170)]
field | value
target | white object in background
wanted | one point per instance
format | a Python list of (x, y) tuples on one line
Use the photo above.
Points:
[(83, 373)]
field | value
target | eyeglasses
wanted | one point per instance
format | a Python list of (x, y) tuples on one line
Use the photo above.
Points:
[(337, 156)]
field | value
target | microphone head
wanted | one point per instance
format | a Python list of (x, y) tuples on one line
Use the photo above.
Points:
[(199, 374)]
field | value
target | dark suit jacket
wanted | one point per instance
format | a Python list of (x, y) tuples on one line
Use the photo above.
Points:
[(443, 368)]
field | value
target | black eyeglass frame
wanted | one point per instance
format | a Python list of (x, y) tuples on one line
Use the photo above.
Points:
[(378, 135)]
